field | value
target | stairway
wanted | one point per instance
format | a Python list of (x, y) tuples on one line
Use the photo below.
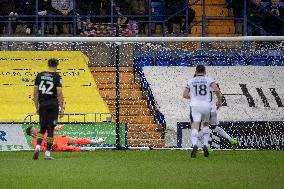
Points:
[(214, 28), (134, 110)]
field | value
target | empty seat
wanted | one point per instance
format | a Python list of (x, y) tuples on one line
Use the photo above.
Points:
[(275, 62), (143, 61), (221, 62), (164, 61), (239, 62), (257, 61), (201, 61), (183, 61)]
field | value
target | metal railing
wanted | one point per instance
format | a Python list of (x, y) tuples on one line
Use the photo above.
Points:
[(40, 21)]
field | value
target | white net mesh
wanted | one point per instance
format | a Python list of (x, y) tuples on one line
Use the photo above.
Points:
[(154, 72)]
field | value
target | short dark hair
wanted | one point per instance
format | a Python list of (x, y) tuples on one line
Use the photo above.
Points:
[(28, 130), (200, 69), (53, 62)]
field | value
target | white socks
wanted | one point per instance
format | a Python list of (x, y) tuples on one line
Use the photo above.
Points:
[(206, 131), (223, 133), (47, 153), (194, 137)]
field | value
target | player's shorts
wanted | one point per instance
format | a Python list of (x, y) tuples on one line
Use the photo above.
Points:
[(199, 113), (213, 118), (59, 141), (48, 115)]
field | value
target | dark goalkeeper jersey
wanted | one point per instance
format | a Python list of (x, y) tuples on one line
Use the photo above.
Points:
[(47, 83)]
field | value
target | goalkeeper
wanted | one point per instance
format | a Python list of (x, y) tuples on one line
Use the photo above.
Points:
[(62, 142)]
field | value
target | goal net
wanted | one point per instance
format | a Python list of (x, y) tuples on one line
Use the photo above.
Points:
[(132, 87)]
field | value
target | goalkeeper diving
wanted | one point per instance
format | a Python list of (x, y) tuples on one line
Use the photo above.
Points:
[(62, 142)]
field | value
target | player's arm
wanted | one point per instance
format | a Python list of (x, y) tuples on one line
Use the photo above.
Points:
[(60, 96), (35, 93), (186, 93), (218, 94), (60, 101)]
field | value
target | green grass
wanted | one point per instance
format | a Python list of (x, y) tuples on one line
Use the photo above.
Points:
[(143, 169)]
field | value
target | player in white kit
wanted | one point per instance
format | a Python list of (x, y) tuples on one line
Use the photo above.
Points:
[(198, 90), (214, 122)]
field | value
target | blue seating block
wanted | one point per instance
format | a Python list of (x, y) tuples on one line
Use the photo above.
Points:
[(201, 61), (257, 61), (221, 62), (239, 62), (143, 61), (183, 61), (276, 62), (164, 61)]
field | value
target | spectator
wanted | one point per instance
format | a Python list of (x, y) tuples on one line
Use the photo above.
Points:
[(7, 7), (138, 7), (172, 7), (62, 8), (26, 7), (45, 9), (255, 15), (275, 26)]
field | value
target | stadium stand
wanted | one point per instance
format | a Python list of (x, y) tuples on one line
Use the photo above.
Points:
[(18, 70), (134, 108)]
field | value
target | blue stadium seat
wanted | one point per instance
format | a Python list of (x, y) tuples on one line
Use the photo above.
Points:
[(257, 61), (158, 10), (239, 62), (183, 61), (264, 4), (275, 62), (221, 62), (164, 61), (143, 61), (201, 61)]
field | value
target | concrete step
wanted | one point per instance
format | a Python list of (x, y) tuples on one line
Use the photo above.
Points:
[(212, 10), (124, 94), (137, 119), (126, 86), (132, 111), (158, 143), (142, 127), (144, 135)]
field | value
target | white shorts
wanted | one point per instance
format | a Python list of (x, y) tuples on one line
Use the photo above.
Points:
[(200, 113), (213, 118)]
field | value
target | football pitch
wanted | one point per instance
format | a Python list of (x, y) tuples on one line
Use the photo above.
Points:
[(143, 169)]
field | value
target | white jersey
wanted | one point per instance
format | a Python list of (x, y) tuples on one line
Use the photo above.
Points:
[(213, 101), (200, 90)]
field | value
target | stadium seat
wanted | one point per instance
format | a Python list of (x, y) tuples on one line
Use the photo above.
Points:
[(261, 61), (143, 61), (264, 4), (239, 62), (164, 61), (275, 62), (221, 62), (183, 61), (157, 7), (201, 61)]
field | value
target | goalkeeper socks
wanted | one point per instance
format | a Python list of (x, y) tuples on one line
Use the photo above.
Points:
[(82, 141), (206, 135), (194, 137), (39, 138), (223, 133), (49, 144), (47, 153)]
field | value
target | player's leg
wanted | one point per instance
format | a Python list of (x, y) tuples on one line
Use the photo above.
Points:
[(84, 141), (206, 131), (52, 121), (214, 126), (43, 127), (195, 118)]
